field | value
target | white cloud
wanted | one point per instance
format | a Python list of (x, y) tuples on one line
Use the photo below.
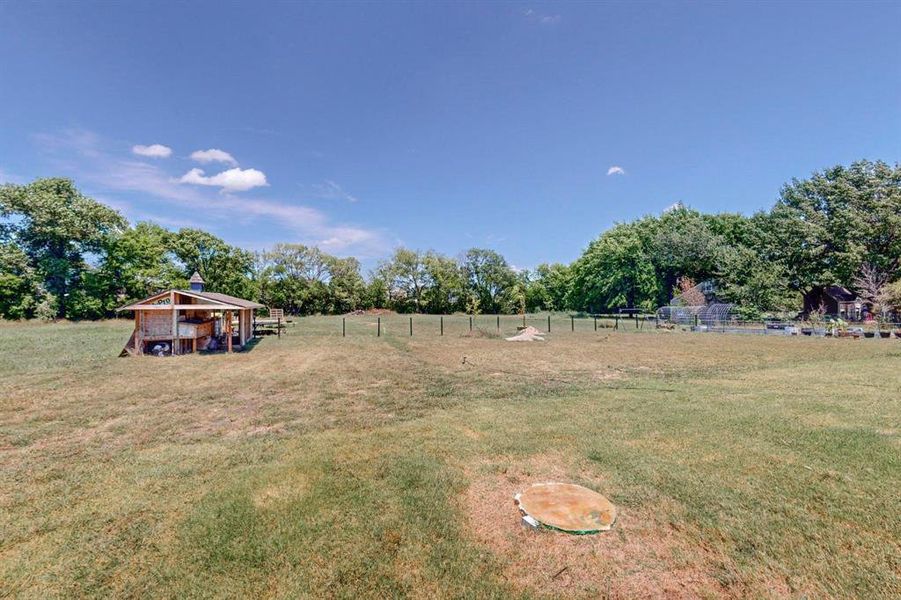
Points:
[(213, 155), (543, 18), (152, 151), (84, 155), (614, 170), (233, 180)]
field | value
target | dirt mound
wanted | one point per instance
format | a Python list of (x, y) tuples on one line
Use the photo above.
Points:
[(529, 334)]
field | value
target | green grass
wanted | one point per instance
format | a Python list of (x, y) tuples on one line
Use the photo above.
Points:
[(317, 465)]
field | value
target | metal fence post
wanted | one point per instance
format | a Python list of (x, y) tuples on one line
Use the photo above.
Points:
[(595, 323), (343, 327), (572, 323), (470, 323), (442, 325), (378, 329), (615, 322), (549, 323), (279, 326), (411, 326), (498, 322)]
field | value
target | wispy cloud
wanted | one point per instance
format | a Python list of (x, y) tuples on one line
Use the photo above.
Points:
[(542, 18), (84, 155), (614, 170), (232, 180), (329, 190), (7, 177), (213, 155), (152, 151)]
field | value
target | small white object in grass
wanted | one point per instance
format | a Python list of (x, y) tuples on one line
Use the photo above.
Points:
[(529, 522)]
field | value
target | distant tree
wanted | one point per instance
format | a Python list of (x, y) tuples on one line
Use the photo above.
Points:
[(679, 243), (755, 284), (489, 278), (445, 290), (407, 277), (823, 229), (346, 287), (614, 272), (140, 262), (549, 287), (295, 277), (20, 287), (224, 268), (56, 226), (376, 293)]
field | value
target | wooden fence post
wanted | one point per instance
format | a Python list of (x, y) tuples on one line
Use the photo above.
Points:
[(470, 323)]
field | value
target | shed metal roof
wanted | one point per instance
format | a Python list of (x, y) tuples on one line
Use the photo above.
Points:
[(219, 300)]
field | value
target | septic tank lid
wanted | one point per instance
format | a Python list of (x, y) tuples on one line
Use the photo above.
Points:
[(567, 507)]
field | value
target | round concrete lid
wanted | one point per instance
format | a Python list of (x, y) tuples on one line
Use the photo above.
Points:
[(568, 507)]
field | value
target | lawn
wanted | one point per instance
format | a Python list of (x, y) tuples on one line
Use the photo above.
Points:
[(326, 466)]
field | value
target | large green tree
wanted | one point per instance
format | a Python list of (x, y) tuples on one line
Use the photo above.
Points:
[(141, 262), (490, 279), (549, 287), (615, 272), (445, 284), (407, 277), (57, 226), (20, 287), (224, 268), (825, 228)]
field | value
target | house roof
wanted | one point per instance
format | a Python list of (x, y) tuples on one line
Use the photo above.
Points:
[(218, 300), (839, 293), (196, 278)]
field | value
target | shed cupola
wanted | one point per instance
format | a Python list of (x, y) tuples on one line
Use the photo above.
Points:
[(196, 282)]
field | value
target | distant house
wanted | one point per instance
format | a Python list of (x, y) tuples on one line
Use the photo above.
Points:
[(182, 321), (835, 300)]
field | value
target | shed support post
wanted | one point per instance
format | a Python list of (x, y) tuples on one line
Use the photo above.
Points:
[(174, 325), (228, 330), (139, 332)]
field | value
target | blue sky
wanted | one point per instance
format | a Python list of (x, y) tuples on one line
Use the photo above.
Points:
[(525, 127)]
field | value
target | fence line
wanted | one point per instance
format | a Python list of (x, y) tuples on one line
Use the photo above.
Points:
[(495, 324)]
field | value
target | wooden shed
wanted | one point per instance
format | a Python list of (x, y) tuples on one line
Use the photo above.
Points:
[(190, 320)]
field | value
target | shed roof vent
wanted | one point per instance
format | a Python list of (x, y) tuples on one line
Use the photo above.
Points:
[(196, 282)]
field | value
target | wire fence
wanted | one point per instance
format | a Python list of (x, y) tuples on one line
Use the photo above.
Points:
[(406, 325)]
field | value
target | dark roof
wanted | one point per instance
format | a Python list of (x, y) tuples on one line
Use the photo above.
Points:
[(225, 298), (839, 293)]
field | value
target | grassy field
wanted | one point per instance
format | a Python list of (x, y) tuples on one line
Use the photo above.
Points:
[(317, 465)]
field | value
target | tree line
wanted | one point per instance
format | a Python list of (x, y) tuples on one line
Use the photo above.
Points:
[(65, 255)]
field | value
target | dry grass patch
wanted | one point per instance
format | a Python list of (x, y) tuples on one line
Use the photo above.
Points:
[(647, 554)]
